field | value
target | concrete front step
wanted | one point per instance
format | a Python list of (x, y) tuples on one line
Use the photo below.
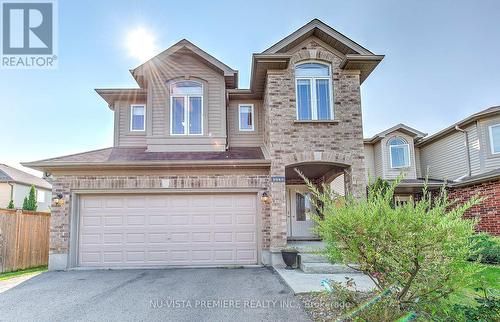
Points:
[(325, 268), (312, 258), (307, 246)]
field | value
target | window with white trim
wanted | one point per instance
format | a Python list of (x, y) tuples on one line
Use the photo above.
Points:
[(314, 92), (246, 117), (40, 196), (399, 152), (495, 138), (137, 117), (186, 108)]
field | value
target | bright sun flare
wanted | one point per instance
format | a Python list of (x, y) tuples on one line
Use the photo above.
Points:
[(141, 44)]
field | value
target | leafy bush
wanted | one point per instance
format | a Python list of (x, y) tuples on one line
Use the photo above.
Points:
[(487, 307), (418, 248), (487, 249), (30, 201), (11, 205)]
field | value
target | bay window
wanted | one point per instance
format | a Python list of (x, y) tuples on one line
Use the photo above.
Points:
[(186, 108), (314, 92)]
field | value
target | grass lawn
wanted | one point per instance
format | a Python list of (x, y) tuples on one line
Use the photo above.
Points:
[(491, 277), (5, 276)]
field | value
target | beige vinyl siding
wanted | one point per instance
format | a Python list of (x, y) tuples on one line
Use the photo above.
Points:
[(5, 190), (245, 138), (338, 185), (418, 165), (474, 149), (123, 136), (390, 173), (377, 154), (369, 162), (178, 67), (445, 158)]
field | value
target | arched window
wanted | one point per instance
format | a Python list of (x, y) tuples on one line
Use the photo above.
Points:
[(399, 152), (186, 108), (314, 91)]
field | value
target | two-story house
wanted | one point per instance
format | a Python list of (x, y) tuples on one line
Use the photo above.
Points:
[(464, 156), (202, 173)]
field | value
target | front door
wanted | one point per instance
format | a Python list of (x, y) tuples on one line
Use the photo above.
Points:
[(299, 209)]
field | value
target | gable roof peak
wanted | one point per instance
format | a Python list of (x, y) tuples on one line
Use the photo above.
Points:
[(230, 74), (416, 134), (324, 32)]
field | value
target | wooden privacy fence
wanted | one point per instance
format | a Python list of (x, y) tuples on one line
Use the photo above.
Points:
[(24, 239)]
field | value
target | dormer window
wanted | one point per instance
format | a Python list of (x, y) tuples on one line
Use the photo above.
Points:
[(399, 151), (314, 92), (137, 118), (186, 108)]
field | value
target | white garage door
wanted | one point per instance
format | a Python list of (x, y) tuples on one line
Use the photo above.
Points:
[(160, 230)]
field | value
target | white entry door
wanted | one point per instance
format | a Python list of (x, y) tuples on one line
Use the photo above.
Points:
[(300, 224), (160, 230)]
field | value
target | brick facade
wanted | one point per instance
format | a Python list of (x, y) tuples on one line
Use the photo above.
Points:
[(290, 142), (67, 184), (488, 211)]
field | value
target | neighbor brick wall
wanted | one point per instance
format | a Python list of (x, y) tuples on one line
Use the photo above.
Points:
[(488, 211), (66, 184), (290, 142)]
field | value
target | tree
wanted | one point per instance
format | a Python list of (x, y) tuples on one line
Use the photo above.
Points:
[(11, 204), (30, 201), (419, 249), (25, 203)]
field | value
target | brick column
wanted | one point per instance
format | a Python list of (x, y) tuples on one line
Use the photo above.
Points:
[(278, 210)]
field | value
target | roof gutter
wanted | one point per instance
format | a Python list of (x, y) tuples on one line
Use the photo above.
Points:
[(466, 136), (475, 180), (249, 163)]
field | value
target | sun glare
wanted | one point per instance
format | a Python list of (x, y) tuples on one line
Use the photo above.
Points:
[(141, 44)]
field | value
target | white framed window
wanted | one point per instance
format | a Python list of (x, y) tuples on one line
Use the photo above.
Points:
[(246, 117), (137, 117), (186, 108), (495, 138), (40, 196), (313, 87), (399, 151)]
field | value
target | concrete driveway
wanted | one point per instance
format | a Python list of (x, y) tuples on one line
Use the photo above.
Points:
[(211, 294)]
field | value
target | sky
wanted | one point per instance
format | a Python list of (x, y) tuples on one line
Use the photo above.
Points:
[(441, 61)]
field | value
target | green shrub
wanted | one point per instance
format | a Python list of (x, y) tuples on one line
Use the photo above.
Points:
[(30, 203), (11, 205), (418, 248), (487, 249), (486, 308)]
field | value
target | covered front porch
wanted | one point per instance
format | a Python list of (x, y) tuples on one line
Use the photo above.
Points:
[(299, 206)]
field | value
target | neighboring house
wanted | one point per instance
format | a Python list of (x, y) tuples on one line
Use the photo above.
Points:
[(465, 156), (15, 185), (202, 173)]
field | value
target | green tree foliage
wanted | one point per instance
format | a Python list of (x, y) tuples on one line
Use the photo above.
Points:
[(30, 201), (418, 248), (25, 203), (11, 205)]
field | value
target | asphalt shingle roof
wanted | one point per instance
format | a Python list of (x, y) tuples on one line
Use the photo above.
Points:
[(10, 174)]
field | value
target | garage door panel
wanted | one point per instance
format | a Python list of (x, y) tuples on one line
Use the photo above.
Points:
[(160, 230)]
